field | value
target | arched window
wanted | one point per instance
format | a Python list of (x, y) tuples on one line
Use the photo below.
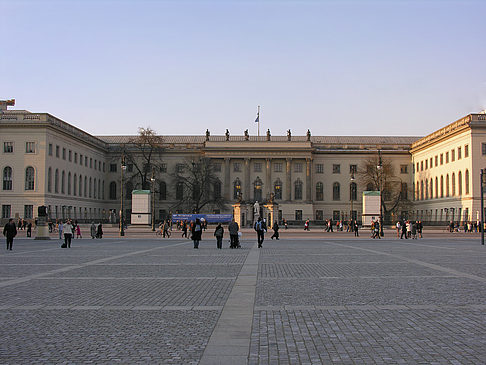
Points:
[(427, 189), (162, 191), (447, 185), (69, 183), (353, 191), (436, 187), (217, 190), (80, 185), (85, 186), (459, 183), (441, 186), (466, 182), (29, 178), (7, 178), (75, 185), (453, 192), (63, 182), (319, 191), (103, 189), (94, 188), (431, 188), (277, 189), (257, 189), (422, 190), (99, 188), (90, 186), (236, 188), (336, 191), (113, 190), (180, 191), (128, 190), (56, 181), (298, 190), (49, 180)]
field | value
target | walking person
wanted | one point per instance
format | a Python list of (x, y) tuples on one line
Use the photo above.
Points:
[(218, 233), (92, 230), (68, 234), (196, 231), (99, 231), (60, 229), (29, 229), (260, 230), (275, 231), (184, 229), (78, 231), (404, 231), (10, 231), (233, 229)]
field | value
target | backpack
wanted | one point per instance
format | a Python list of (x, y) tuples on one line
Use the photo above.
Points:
[(258, 226)]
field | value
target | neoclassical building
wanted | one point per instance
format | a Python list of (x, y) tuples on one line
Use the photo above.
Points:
[(46, 161)]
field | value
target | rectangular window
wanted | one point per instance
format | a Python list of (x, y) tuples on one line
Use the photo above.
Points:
[(6, 211), (70, 154), (483, 149), (57, 151), (453, 155), (237, 167), (436, 161), (180, 168), (466, 151), (404, 169), (50, 149), (459, 154), (8, 147), (163, 167), (447, 157), (441, 158), (90, 163), (86, 161), (75, 157), (431, 164), (418, 169), (336, 169), (277, 167), (63, 153), (29, 147), (298, 167), (353, 169), (319, 168), (257, 167), (421, 166), (426, 164), (103, 167), (28, 211), (319, 215), (113, 167), (217, 167), (81, 159), (298, 215)]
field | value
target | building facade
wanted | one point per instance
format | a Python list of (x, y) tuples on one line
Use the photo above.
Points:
[(46, 161)]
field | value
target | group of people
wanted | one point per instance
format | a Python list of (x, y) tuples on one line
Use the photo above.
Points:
[(409, 229)]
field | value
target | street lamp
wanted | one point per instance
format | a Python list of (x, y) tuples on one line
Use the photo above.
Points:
[(152, 179), (123, 167), (483, 176), (353, 191), (380, 177)]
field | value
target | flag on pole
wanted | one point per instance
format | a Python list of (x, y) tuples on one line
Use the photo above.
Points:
[(257, 120)]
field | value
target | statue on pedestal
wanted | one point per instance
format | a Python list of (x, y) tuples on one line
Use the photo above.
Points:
[(247, 135), (289, 135), (268, 134), (207, 134), (227, 134), (256, 211), (308, 135)]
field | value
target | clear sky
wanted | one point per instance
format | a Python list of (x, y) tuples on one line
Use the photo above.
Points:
[(335, 67)]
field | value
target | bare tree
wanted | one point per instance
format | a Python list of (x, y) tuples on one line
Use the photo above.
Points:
[(381, 177), (197, 186)]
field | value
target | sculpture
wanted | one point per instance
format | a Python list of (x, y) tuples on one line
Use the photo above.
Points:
[(207, 134), (247, 136), (308, 135), (227, 134), (289, 135), (268, 134), (256, 211)]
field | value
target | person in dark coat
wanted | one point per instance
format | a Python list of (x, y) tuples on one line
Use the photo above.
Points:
[(404, 231), (233, 231), (92, 230), (218, 233), (260, 229), (10, 231), (29, 229), (356, 228), (196, 231), (275, 231), (99, 231)]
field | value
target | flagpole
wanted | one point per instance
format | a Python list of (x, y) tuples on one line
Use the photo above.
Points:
[(258, 116)]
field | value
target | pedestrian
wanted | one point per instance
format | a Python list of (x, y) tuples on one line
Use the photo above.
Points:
[(275, 231), (306, 225), (356, 230), (29, 229), (260, 230), (420, 227), (10, 231), (99, 231), (414, 230), (184, 229), (285, 223), (233, 231), (398, 229), (68, 234), (92, 230), (78, 231), (165, 229), (404, 231), (218, 233), (60, 229), (196, 233), (409, 229)]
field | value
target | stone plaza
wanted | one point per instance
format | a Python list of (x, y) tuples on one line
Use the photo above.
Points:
[(299, 300)]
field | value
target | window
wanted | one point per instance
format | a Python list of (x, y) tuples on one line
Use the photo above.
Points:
[(57, 151), (257, 167), (277, 187), (81, 159), (75, 185), (29, 178), (103, 167), (459, 154), (29, 147), (336, 169), (453, 155), (236, 188), (319, 215), (28, 211), (277, 167), (319, 168), (459, 183), (113, 167), (63, 153), (70, 154), (453, 183), (447, 157), (404, 189), (426, 164), (180, 168), (237, 167), (49, 180), (85, 186), (217, 190), (75, 157), (298, 167), (112, 190), (436, 161), (336, 191), (441, 158), (298, 190), (91, 163), (90, 187), (353, 191), (257, 189), (69, 184), (7, 178), (298, 215), (404, 169), (431, 190), (49, 151), (217, 167), (163, 167), (86, 161), (353, 169), (417, 169), (483, 149), (8, 147), (466, 151), (447, 185), (436, 187), (466, 182), (421, 166), (431, 165), (63, 182), (180, 191), (441, 186), (6, 211), (319, 191), (81, 186), (56, 181)]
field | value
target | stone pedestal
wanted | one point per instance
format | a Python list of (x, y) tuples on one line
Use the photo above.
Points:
[(42, 229), (271, 213), (237, 213)]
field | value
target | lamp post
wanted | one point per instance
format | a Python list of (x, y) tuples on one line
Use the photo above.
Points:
[(152, 179), (351, 216), (483, 175), (123, 167), (380, 179)]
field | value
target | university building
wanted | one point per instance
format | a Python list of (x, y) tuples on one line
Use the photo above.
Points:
[(47, 161)]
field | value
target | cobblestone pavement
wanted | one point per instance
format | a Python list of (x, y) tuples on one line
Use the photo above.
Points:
[(316, 301)]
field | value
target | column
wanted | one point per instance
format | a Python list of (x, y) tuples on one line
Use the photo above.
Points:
[(288, 184), (247, 195), (268, 184), (227, 183), (308, 179)]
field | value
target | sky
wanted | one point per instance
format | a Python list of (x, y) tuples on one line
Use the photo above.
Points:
[(181, 67)]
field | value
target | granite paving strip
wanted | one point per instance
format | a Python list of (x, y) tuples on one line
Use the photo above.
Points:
[(230, 340), (77, 266), (418, 262)]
